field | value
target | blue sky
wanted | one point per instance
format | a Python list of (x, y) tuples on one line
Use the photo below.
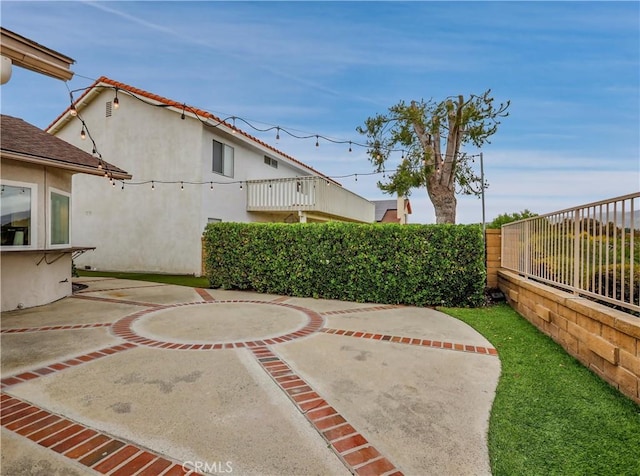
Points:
[(570, 69)]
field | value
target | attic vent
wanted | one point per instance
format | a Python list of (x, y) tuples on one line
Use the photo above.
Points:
[(108, 107)]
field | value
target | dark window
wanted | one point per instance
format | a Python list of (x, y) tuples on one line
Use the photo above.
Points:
[(222, 159)]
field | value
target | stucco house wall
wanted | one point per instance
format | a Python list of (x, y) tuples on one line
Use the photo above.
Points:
[(36, 269), (159, 229), (48, 277)]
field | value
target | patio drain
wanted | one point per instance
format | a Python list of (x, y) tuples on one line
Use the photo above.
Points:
[(218, 325)]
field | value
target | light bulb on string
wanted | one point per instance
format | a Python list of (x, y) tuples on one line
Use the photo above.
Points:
[(116, 101), (211, 185), (153, 185), (181, 186), (73, 111), (234, 125), (356, 177), (349, 146), (182, 116), (83, 133), (240, 185), (317, 143), (278, 133), (122, 185)]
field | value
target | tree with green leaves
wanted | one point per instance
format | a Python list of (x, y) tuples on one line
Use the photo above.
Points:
[(430, 134), (505, 218)]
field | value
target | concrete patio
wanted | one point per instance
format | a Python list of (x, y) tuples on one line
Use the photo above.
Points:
[(129, 377)]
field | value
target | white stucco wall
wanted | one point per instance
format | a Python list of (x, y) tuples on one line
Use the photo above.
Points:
[(29, 278), (140, 229), (229, 202), (25, 283)]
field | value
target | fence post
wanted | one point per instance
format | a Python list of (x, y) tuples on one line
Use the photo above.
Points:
[(576, 251)]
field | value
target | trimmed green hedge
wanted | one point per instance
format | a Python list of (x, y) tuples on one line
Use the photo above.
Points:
[(423, 265)]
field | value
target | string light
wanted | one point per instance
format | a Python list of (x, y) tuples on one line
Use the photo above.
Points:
[(206, 122), (85, 131)]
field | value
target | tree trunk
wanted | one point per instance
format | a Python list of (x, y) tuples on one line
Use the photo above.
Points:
[(444, 202)]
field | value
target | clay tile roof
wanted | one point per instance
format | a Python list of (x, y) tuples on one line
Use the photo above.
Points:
[(103, 80), (27, 142)]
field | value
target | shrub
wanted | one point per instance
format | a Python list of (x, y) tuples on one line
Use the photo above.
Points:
[(609, 283), (413, 264)]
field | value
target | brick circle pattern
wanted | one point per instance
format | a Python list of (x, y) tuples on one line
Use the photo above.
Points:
[(124, 328)]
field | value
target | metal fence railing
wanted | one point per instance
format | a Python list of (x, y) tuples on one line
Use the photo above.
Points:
[(592, 250)]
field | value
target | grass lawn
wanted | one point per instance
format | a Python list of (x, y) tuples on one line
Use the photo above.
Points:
[(551, 415), (181, 280)]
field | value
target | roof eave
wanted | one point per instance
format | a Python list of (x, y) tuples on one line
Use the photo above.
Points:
[(33, 56), (76, 168)]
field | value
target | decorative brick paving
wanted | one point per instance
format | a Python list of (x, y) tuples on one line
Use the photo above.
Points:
[(123, 328), (349, 445), (92, 448), (117, 301), (205, 295), (436, 344), (57, 367), (109, 455), (55, 328), (361, 309)]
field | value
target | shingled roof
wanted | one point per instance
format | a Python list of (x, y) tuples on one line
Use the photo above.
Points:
[(22, 141)]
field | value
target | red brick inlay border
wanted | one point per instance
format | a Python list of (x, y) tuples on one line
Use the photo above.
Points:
[(123, 328), (412, 341), (55, 328), (205, 295), (362, 309), (117, 301), (91, 448), (353, 449), (57, 367)]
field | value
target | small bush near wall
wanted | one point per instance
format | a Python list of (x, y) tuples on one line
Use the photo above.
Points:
[(419, 265)]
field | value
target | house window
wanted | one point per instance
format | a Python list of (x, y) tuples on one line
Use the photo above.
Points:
[(222, 159), (214, 220), (18, 205), (272, 162), (60, 218)]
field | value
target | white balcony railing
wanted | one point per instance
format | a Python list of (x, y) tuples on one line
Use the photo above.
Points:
[(592, 250), (308, 194)]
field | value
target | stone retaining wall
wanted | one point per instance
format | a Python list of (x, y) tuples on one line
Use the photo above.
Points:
[(605, 340)]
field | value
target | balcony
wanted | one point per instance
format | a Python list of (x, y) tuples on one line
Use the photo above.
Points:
[(314, 198)]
